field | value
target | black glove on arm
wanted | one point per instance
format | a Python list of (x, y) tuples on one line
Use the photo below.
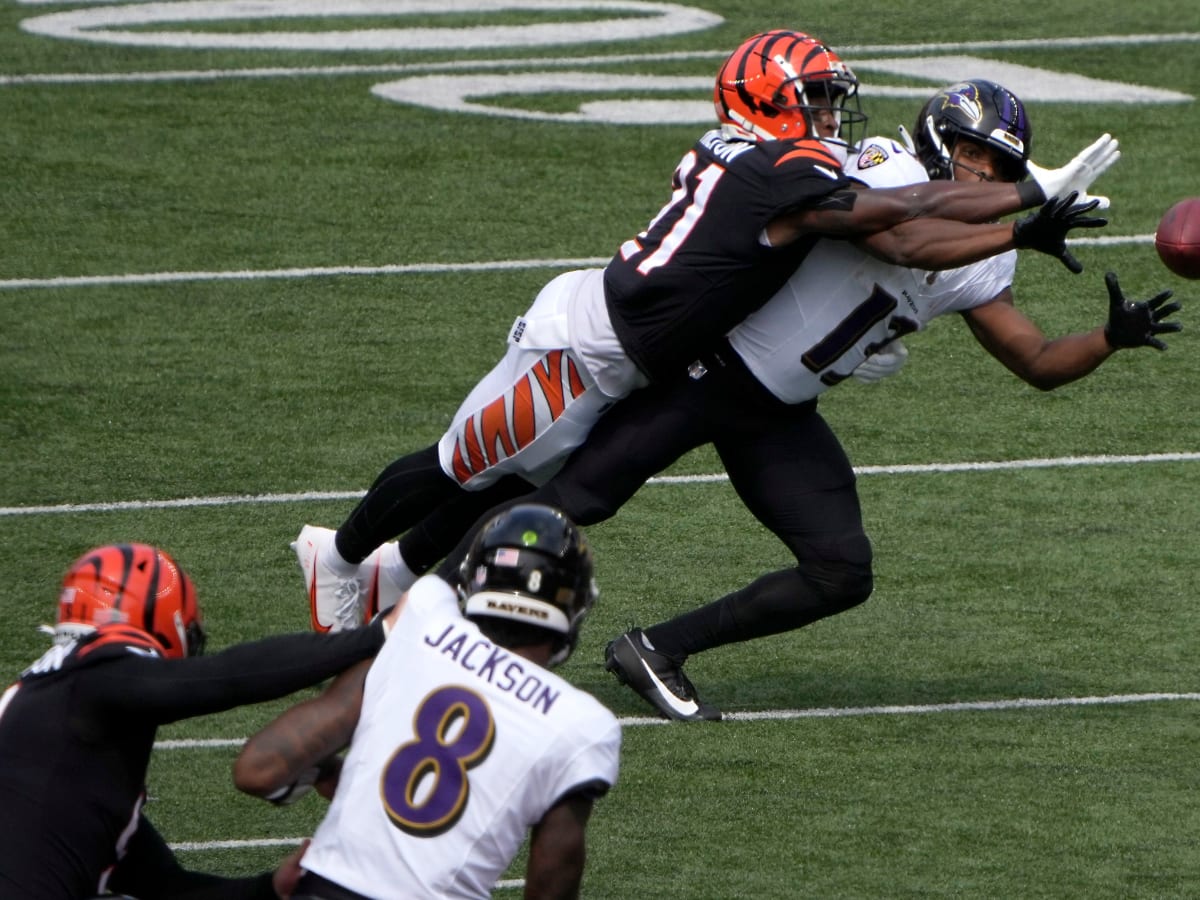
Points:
[(1134, 324), (1046, 230)]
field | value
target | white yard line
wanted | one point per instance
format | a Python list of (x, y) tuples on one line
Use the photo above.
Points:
[(900, 469), (1023, 703), (133, 278), (836, 712)]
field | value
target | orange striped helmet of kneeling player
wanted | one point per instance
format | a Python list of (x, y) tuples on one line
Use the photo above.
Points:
[(770, 87), (137, 585)]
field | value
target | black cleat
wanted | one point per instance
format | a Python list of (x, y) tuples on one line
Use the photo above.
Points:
[(658, 678)]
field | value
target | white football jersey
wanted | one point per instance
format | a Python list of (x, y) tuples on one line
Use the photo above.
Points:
[(461, 747), (842, 304)]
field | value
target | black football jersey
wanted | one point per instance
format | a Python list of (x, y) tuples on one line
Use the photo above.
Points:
[(701, 267), (78, 727)]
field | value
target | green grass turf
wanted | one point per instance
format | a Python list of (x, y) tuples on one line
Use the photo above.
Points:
[(991, 586)]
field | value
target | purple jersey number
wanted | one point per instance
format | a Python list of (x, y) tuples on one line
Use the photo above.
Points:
[(424, 784)]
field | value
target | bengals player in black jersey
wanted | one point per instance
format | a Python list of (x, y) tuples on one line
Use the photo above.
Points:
[(78, 726), (753, 396), (748, 202)]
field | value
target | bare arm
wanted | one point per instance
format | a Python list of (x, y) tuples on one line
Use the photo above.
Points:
[(308, 734), (867, 210), (1007, 334), (303, 736), (558, 850), (932, 243), (936, 244)]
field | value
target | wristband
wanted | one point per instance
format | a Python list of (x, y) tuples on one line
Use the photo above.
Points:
[(1030, 194)]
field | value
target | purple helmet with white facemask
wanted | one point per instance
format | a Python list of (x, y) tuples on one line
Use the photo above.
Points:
[(982, 111)]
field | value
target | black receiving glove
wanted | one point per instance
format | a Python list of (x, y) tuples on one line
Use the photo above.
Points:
[(1133, 324), (1046, 230)]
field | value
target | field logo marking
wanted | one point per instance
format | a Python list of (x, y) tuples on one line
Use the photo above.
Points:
[(129, 25), (102, 24), (465, 93)]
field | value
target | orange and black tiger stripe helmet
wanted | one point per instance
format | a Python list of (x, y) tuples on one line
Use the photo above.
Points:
[(137, 585), (767, 87)]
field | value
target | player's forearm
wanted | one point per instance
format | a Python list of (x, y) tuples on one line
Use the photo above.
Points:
[(981, 201), (851, 213), (1065, 359), (304, 736), (935, 244)]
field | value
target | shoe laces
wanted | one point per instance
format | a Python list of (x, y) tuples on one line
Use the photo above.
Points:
[(679, 683), (668, 671), (348, 597)]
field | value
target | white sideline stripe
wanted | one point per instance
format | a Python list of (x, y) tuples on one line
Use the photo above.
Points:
[(186, 846), (66, 281), (764, 715), (825, 713), (310, 272), (900, 469), (967, 706)]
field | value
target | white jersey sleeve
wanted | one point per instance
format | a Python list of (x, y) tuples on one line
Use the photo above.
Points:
[(460, 748), (842, 304)]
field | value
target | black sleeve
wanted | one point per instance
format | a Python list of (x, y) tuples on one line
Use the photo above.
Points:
[(150, 871), (160, 690)]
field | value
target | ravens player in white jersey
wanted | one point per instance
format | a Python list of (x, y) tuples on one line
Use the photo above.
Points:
[(749, 201), (753, 396), (78, 726), (463, 739)]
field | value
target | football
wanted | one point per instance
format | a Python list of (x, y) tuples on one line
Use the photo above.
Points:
[(1177, 239)]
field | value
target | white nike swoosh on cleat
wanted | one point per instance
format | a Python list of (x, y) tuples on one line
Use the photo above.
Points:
[(690, 708)]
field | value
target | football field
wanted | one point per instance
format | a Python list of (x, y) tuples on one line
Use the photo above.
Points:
[(254, 252)]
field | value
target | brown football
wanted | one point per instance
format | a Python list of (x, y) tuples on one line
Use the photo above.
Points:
[(1177, 239)]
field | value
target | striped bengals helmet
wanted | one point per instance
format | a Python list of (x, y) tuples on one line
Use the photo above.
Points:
[(769, 87), (137, 585)]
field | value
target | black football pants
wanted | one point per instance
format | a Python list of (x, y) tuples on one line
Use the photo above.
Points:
[(786, 465)]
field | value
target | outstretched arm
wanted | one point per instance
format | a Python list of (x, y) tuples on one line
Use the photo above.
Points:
[(1021, 346), (267, 669), (935, 244), (964, 201), (847, 213)]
